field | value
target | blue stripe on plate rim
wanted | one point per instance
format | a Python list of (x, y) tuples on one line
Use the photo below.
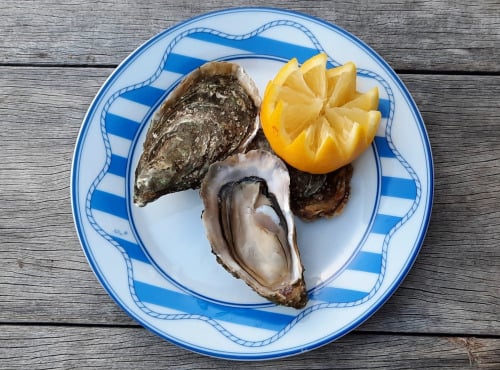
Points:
[(342, 331)]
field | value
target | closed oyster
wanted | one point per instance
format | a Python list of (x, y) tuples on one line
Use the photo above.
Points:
[(314, 196), (212, 114), (250, 227)]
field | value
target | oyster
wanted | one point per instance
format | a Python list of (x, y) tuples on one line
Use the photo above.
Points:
[(250, 226), (316, 196), (313, 196), (212, 114)]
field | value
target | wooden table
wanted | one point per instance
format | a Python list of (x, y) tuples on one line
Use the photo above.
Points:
[(54, 313)]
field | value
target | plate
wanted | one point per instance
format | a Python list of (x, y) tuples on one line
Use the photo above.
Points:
[(156, 262)]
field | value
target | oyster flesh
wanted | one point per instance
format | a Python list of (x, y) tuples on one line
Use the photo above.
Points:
[(250, 226), (210, 115)]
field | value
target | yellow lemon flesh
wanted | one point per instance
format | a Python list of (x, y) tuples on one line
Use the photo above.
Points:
[(315, 119)]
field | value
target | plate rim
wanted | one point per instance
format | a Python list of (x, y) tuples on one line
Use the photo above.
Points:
[(318, 342)]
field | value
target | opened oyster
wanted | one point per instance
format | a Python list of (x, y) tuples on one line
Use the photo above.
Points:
[(209, 116), (250, 226)]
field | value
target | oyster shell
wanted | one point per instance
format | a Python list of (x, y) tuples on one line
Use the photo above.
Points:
[(250, 226), (212, 114), (313, 196), (317, 196)]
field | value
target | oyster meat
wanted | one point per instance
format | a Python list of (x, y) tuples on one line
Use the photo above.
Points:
[(313, 196), (210, 115), (250, 226)]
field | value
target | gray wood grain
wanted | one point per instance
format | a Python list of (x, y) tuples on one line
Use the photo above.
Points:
[(55, 347), (420, 35), (454, 286)]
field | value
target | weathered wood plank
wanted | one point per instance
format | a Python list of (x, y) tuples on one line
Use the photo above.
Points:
[(423, 35), (44, 277), (56, 347)]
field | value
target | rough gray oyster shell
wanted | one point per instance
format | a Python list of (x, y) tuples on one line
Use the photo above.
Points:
[(250, 226), (212, 114)]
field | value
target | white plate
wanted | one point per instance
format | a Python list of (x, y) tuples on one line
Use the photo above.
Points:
[(156, 262)]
